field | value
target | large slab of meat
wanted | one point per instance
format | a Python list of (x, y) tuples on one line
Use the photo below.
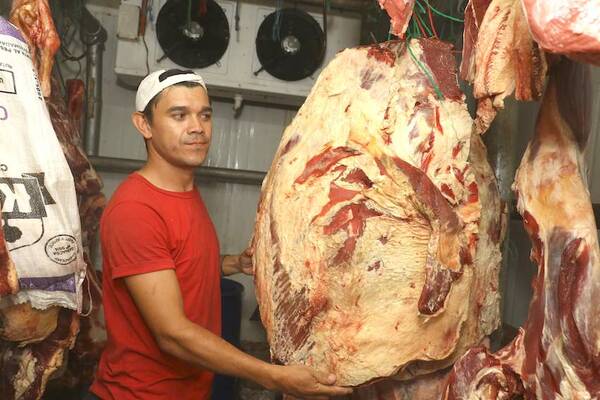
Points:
[(500, 57), (557, 354), (378, 230)]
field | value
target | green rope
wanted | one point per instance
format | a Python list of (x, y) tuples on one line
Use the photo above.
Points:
[(421, 7), (424, 69), (441, 14), (415, 29), (429, 32)]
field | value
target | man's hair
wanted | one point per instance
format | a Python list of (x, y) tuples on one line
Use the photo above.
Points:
[(149, 110)]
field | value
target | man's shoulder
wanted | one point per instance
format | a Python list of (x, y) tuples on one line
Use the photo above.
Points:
[(133, 188), (131, 196)]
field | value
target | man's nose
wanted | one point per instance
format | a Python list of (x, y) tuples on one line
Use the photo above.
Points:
[(196, 125)]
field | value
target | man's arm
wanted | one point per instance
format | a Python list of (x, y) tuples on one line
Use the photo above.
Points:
[(158, 298), (240, 263)]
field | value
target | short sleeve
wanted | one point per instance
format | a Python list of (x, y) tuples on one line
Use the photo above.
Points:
[(135, 240)]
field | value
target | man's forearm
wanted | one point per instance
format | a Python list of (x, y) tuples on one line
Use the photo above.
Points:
[(200, 347), (230, 264)]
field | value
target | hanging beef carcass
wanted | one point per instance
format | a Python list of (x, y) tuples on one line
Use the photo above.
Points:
[(378, 231), (557, 354), (83, 357), (500, 57), (570, 27), (34, 342), (85, 336)]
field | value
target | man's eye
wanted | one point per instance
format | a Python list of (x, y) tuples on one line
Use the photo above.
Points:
[(178, 116), (206, 117)]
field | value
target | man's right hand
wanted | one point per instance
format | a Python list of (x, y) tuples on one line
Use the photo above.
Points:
[(158, 298), (306, 383)]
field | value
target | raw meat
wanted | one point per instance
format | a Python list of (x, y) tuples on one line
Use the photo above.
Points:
[(378, 230), (83, 358), (474, 13), (570, 27), (22, 324), (427, 387), (400, 12), (34, 20), (9, 284), (26, 370), (557, 354), (505, 58)]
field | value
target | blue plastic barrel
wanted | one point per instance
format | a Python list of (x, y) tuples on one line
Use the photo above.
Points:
[(225, 387)]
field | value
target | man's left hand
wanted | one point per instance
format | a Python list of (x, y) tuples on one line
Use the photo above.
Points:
[(236, 264), (245, 262)]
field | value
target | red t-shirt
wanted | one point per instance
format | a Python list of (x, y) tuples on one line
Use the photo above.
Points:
[(145, 229)]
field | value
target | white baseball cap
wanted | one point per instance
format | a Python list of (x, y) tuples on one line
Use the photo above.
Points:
[(157, 81)]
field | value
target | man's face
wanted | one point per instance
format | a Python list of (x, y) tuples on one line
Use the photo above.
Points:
[(181, 126)]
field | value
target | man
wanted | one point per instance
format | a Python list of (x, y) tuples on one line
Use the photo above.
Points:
[(161, 266)]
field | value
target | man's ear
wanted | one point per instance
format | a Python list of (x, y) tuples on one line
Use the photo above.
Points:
[(141, 124)]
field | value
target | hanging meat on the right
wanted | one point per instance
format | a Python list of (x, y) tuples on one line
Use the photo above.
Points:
[(570, 27), (557, 353)]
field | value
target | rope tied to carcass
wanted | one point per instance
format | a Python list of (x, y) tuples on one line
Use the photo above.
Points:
[(420, 26)]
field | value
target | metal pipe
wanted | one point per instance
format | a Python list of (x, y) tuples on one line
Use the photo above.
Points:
[(123, 165), (93, 35)]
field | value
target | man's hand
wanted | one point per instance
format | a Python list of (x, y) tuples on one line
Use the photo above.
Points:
[(236, 264), (246, 265), (306, 383), (157, 296)]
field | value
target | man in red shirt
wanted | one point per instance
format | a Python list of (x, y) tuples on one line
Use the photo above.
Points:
[(162, 268)]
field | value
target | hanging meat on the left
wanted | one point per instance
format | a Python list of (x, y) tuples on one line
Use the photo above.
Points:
[(83, 357), (34, 344), (34, 20)]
